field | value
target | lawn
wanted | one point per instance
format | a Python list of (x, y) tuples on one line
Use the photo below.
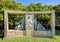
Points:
[(31, 39)]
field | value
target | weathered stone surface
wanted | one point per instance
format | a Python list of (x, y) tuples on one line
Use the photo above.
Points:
[(29, 25), (42, 33), (15, 33)]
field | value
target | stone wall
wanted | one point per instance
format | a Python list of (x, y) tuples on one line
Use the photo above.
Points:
[(42, 33), (21, 33), (15, 33), (29, 23)]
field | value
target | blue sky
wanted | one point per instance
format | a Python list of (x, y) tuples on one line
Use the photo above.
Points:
[(44, 2)]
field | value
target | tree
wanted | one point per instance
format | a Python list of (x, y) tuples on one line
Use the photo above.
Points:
[(57, 11), (12, 5), (9, 5)]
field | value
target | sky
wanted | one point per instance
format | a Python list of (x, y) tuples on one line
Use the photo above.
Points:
[(43, 2)]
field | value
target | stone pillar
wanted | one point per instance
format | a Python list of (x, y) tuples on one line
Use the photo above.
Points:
[(29, 22), (53, 23), (5, 23)]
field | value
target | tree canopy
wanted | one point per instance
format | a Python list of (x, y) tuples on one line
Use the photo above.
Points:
[(12, 5)]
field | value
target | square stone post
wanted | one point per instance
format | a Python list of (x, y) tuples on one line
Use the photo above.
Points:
[(5, 23), (29, 22), (53, 24)]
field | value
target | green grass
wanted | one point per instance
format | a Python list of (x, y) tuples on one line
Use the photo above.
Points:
[(31, 39)]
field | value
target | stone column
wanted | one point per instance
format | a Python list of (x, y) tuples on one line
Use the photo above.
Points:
[(5, 23), (53, 23), (29, 22)]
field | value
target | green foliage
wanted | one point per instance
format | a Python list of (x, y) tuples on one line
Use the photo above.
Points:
[(15, 18), (12, 5), (9, 5), (57, 9), (1, 17), (43, 17)]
